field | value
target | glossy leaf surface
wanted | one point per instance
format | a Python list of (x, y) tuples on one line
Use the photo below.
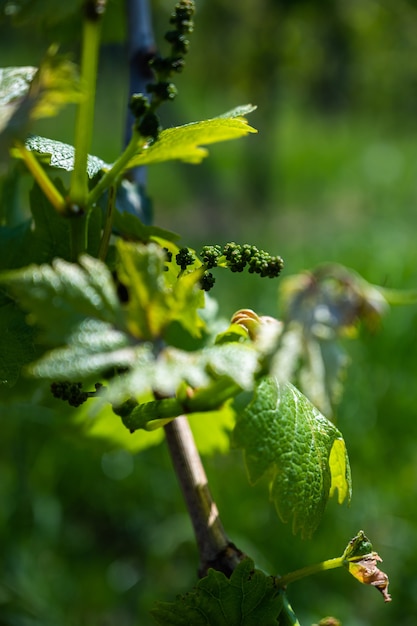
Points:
[(284, 436)]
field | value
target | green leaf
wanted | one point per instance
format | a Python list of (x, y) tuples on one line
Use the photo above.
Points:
[(60, 296), (184, 142), (249, 597), (27, 94), (107, 426), (61, 155), (212, 429), (286, 437), (321, 307), (94, 347), (134, 229), (154, 301), (14, 86)]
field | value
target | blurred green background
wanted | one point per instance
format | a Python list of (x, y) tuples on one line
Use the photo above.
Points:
[(91, 534)]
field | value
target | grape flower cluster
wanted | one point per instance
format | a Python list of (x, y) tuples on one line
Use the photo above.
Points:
[(162, 89), (72, 392), (234, 256), (239, 256)]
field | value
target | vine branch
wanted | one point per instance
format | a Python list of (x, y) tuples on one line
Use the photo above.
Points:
[(215, 549)]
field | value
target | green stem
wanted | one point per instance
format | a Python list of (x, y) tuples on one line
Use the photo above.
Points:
[(85, 114), (43, 180), (108, 225), (136, 143), (78, 236), (283, 581), (208, 399)]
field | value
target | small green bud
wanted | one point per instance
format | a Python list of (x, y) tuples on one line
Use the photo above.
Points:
[(184, 258), (139, 105), (207, 281), (149, 126), (163, 90)]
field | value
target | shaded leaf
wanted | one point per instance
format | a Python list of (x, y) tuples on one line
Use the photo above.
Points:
[(249, 597), (284, 435), (134, 229), (185, 142)]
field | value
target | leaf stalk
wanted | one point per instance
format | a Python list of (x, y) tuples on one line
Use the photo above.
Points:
[(43, 180), (309, 570), (135, 145)]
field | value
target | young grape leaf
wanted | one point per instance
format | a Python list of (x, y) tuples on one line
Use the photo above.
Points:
[(60, 296), (94, 347), (105, 425), (320, 307), (284, 435), (249, 597), (153, 302), (184, 142), (61, 155), (135, 230)]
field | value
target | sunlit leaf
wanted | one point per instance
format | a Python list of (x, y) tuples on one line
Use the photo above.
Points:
[(249, 597), (212, 430), (61, 155), (284, 435), (153, 303), (340, 471), (107, 426), (185, 142), (60, 296), (93, 348), (27, 94)]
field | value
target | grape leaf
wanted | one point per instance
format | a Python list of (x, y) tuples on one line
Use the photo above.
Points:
[(105, 425), (184, 142), (134, 229), (248, 597), (61, 155), (27, 94), (93, 347), (212, 429), (320, 307), (60, 296), (284, 435), (153, 302)]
